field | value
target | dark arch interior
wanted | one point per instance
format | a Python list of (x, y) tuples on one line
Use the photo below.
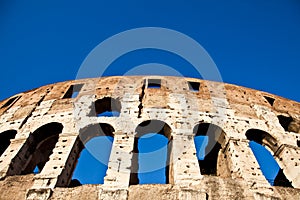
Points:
[(263, 138), (93, 154), (153, 126), (96, 130), (212, 133), (281, 180), (285, 121), (41, 144), (5, 138), (107, 107), (147, 132)]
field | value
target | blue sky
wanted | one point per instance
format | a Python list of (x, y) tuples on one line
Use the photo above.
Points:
[(253, 43)]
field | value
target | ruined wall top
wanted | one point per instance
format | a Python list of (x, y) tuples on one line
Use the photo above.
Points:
[(118, 86)]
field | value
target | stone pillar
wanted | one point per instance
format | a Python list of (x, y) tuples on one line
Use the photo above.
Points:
[(241, 164), (288, 158), (58, 170), (184, 167), (118, 172), (9, 163)]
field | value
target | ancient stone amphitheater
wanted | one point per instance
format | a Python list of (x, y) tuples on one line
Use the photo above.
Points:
[(47, 128)]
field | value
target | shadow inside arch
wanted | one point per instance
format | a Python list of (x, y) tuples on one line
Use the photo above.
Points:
[(259, 140)]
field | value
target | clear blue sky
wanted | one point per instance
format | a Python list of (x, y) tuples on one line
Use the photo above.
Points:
[(254, 43)]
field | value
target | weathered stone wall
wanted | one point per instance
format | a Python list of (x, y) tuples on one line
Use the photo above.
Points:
[(234, 109)]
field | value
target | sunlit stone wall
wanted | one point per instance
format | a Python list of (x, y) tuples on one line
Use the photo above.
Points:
[(48, 127)]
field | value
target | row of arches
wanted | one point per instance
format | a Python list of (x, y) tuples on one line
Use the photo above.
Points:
[(151, 152), (111, 107)]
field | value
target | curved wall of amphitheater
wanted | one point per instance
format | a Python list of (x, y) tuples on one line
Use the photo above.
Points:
[(29, 119)]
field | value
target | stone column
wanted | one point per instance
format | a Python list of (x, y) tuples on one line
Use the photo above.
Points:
[(184, 167), (288, 158), (58, 170), (9, 163), (241, 164), (118, 172)]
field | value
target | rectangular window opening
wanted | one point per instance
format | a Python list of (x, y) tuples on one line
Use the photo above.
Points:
[(73, 91), (194, 86), (154, 83), (10, 101), (270, 100)]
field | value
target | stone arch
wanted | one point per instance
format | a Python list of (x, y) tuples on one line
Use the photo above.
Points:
[(95, 130), (106, 107), (5, 138), (264, 139), (157, 126), (207, 155), (37, 149), (86, 135), (153, 127)]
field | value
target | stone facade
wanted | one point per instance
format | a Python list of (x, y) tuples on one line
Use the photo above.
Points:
[(47, 127)]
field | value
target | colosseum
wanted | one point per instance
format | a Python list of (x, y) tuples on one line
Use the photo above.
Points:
[(47, 129)]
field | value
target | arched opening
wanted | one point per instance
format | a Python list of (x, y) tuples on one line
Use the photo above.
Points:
[(150, 162), (268, 165), (5, 138), (94, 155), (206, 138), (107, 107), (285, 121), (262, 138), (40, 146)]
